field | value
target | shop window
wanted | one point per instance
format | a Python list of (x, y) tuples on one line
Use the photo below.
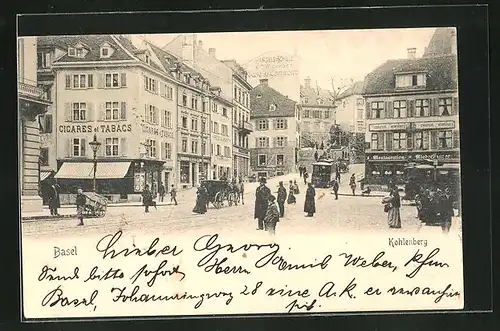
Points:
[(262, 159)]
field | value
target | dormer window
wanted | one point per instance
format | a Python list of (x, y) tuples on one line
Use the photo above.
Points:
[(147, 59), (72, 51), (306, 100), (79, 52), (259, 96), (411, 80), (105, 52), (272, 107)]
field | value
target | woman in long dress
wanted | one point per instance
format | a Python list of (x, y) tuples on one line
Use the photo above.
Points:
[(291, 197), (393, 204), (201, 200), (295, 188), (310, 204)]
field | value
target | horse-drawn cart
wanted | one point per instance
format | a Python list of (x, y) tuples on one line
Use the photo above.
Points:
[(96, 205), (220, 191)]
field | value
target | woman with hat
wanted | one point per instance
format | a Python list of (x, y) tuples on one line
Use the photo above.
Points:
[(272, 215), (261, 202), (291, 197)]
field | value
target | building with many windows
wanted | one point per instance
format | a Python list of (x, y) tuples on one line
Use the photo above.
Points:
[(221, 129), (32, 103), (275, 141), (412, 111), (318, 114), (350, 110)]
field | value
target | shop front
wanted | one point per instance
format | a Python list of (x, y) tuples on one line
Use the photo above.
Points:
[(192, 169), (146, 172)]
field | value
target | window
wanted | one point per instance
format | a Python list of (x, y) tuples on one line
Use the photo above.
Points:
[(259, 96), (112, 111), (378, 109), (71, 51), (445, 139), (414, 80), (170, 92), (235, 92), (151, 147), (151, 114), (105, 52), (328, 114), (280, 124), (194, 147), (184, 122), (79, 111), (306, 100), (263, 142), (400, 109), (168, 151), (204, 148), (218, 150), (112, 80), (147, 58), (204, 106), (239, 95), (44, 60), (167, 118), (150, 84), (184, 100), (422, 107), (280, 159), (44, 156), (224, 111), (194, 103), (307, 113), (111, 146), (262, 159), (422, 140), (79, 52), (82, 81), (399, 140), (263, 125), (227, 151), (280, 141), (194, 124), (203, 126), (216, 127), (317, 113), (272, 107), (214, 107), (224, 130), (374, 142), (184, 145), (410, 81), (444, 106), (78, 147)]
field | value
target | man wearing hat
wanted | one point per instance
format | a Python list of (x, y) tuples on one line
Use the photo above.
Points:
[(261, 202)]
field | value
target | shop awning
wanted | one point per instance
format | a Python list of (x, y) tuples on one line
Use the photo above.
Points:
[(85, 170), (455, 166), (44, 175)]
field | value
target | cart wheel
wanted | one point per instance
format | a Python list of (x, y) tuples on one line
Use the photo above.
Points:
[(218, 200), (100, 211)]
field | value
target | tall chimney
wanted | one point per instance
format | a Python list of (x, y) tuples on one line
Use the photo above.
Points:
[(200, 44), (412, 52), (211, 51), (264, 81), (453, 42), (307, 82)]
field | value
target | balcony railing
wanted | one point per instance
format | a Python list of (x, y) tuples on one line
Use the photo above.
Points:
[(245, 126), (29, 89)]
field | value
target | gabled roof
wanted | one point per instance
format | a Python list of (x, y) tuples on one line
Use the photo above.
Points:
[(441, 74), (313, 94), (62, 42), (94, 54), (285, 107), (355, 89)]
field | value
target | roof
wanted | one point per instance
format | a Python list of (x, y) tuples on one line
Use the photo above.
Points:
[(62, 42), (315, 93), (441, 43), (94, 42), (355, 89), (441, 74), (285, 107)]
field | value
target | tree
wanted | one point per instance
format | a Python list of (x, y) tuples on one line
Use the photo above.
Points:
[(339, 88)]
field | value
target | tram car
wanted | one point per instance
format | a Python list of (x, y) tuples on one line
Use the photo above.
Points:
[(323, 173)]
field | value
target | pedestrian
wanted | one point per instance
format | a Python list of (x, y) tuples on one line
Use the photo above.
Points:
[(81, 201), (291, 197), (310, 204), (201, 200), (241, 189), (272, 215), (306, 175), (295, 188), (352, 184), (281, 198), (54, 201), (261, 202), (173, 194), (235, 190), (335, 186), (301, 171), (337, 175), (161, 191), (316, 156), (392, 204), (446, 211), (147, 198)]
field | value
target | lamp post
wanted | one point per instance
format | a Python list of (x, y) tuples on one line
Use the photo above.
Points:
[(95, 145)]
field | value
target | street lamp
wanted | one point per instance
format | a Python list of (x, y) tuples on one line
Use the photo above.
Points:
[(95, 145)]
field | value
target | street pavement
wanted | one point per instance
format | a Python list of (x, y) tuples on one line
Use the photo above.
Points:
[(347, 214)]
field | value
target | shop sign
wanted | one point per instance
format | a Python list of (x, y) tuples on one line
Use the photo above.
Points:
[(156, 131), (387, 157), (413, 156), (388, 126), (435, 125), (102, 128), (436, 156)]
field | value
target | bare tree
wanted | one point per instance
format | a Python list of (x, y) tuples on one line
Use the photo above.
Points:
[(338, 89)]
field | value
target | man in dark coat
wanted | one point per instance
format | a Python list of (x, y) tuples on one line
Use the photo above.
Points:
[(335, 187), (54, 201), (310, 204), (147, 198), (161, 191), (306, 175), (261, 202), (281, 199), (301, 171)]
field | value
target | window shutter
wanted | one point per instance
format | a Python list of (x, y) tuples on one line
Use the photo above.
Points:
[(90, 83), (67, 112), (409, 140), (434, 142), (83, 147), (275, 142), (101, 81), (146, 113), (411, 108), (123, 79), (385, 111), (123, 146), (102, 111), (285, 143), (456, 138), (267, 142), (454, 107), (388, 141), (275, 122), (368, 110), (123, 112), (390, 109), (286, 123), (90, 112), (434, 107), (68, 82), (381, 140), (69, 147), (157, 118)]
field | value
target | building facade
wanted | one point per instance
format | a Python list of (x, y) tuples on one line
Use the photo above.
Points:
[(412, 115), (221, 141), (274, 143), (32, 103), (350, 110), (318, 114)]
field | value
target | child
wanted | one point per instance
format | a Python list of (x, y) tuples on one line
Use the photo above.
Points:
[(272, 215), (81, 200)]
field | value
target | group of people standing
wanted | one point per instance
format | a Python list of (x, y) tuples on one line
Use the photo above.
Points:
[(303, 173), (148, 196)]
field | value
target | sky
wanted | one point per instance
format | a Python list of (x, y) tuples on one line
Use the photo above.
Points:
[(324, 54)]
